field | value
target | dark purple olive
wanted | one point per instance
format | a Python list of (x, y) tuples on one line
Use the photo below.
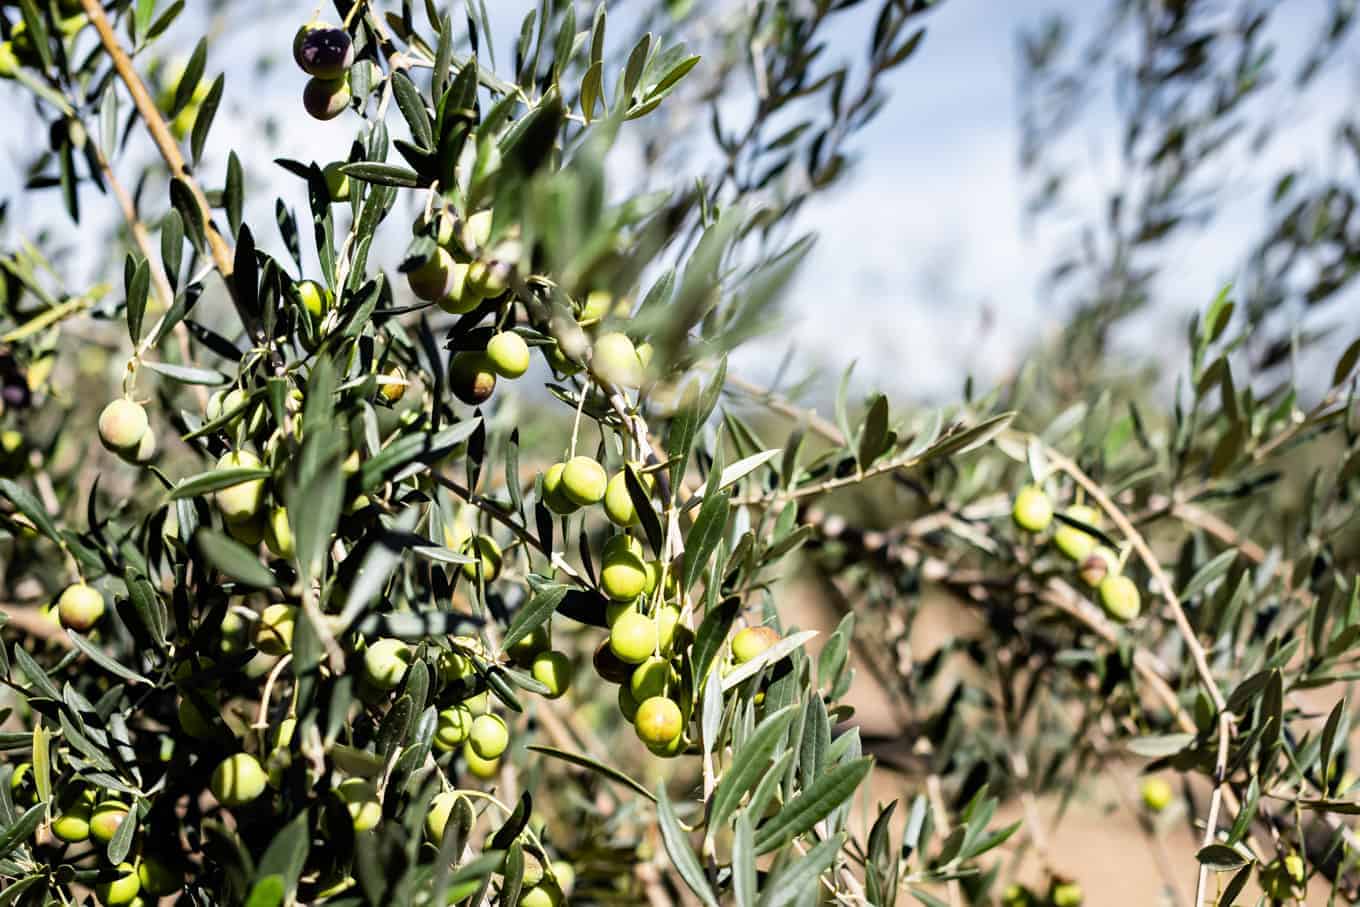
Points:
[(326, 53)]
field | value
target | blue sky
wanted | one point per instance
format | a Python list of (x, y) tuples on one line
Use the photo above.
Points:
[(926, 241)]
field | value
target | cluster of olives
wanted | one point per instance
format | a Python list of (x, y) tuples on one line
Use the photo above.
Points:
[(84, 814), (1098, 566), (325, 53), (125, 430)]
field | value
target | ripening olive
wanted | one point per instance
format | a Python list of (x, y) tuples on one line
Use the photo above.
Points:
[(609, 666), (751, 642), (488, 736), (584, 481), (385, 663), (554, 670), (106, 818), (121, 426), (240, 502), (633, 637), (80, 607), (326, 99), (614, 360), (1033, 511), (472, 377), (274, 629), (658, 721), (1100, 563), (324, 52), (1119, 597), (1073, 542), (238, 780), (508, 354), (360, 798), (301, 36)]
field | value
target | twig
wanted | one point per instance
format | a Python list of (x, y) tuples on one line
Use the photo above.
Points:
[(220, 250)]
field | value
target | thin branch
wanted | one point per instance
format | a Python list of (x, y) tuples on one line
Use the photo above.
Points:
[(150, 115)]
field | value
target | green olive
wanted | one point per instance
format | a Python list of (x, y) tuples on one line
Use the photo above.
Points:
[(488, 736), (633, 638), (120, 890), (524, 650), (157, 877), (239, 503), (1157, 794), (453, 727), (385, 663), (1033, 511), (1120, 598), (623, 574), (488, 561), (584, 481), (1073, 542), (238, 780), (509, 354), (659, 721), (614, 360), (274, 629), (478, 766), (360, 798), (554, 497), (337, 181), (651, 678), (751, 642), (553, 670)]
